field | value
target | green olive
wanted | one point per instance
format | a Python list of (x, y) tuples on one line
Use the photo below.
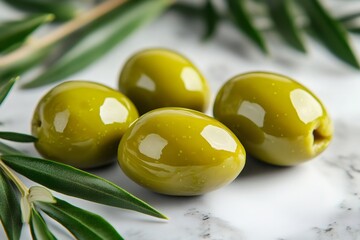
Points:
[(278, 120), (178, 151), (156, 78), (81, 123)]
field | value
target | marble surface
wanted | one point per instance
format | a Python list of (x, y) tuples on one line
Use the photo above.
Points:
[(316, 200)]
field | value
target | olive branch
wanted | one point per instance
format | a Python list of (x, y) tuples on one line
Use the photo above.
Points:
[(83, 37)]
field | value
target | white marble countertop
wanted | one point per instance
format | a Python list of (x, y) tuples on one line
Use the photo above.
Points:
[(316, 200)]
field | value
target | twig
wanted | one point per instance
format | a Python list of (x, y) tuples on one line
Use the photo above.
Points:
[(60, 33)]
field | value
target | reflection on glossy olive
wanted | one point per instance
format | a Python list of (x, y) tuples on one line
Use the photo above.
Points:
[(179, 151), (277, 120), (81, 123), (157, 78)]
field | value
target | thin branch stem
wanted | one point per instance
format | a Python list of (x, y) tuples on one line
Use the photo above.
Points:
[(60, 33), (19, 184)]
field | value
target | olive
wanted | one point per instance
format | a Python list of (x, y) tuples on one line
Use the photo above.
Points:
[(178, 151), (156, 78), (278, 120), (81, 123)]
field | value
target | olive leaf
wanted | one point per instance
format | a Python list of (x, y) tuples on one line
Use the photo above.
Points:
[(13, 33), (211, 18), (81, 223), (62, 10), (17, 137), (242, 20), (99, 38), (34, 52), (77, 183), (283, 14), (5, 89), (23, 64), (283, 19), (330, 32), (38, 227), (10, 214)]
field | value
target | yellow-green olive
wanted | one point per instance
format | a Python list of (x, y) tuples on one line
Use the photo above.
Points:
[(157, 78), (278, 120), (178, 151), (81, 123)]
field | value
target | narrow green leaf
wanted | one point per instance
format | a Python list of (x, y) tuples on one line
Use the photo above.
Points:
[(77, 183), (17, 137), (5, 89), (6, 149), (38, 227), (242, 20), (17, 68), (62, 10), (10, 213), (211, 18), (81, 223), (100, 37), (329, 31), (16, 32), (285, 24)]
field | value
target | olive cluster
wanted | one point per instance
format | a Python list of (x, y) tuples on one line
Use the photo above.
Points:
[(173, 148)]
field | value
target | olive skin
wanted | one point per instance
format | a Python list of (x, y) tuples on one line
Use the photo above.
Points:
[(178, 151), (81, 123), (278, 120), (156, 78)]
